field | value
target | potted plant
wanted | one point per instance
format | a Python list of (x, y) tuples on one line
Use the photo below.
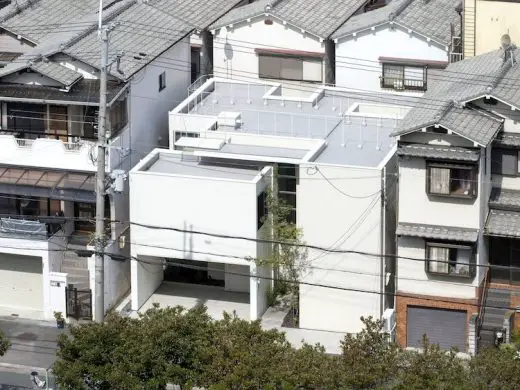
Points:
[(60, 321)]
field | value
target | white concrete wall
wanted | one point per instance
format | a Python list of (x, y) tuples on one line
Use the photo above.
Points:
[(237, 278), (148, 114), (57, 284), (357, 58), (413, 279), (332, 220), (193, 203), (147, 276), (416, 206), (234, 47)]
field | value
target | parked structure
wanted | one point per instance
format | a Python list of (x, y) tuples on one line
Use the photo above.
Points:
[(336, 168), (458, 196), (397, 46), (485, 20), (49, 103)]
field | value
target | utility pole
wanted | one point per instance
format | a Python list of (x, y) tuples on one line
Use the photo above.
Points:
[(100, 240)]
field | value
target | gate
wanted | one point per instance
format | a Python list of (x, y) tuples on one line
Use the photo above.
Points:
[(79, 303)]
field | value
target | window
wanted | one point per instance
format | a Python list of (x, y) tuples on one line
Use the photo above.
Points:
[(162, 81), (84, 214), (505, 162), (290, 68), (449, 259), (452, 180), (287, 182), (261, 209), (90, 122), (118, 116), (404, 77)]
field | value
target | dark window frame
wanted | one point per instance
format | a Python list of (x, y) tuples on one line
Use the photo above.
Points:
[(453, 247), (162, 81), (261, 210), (473, 190), (497, 161), (388, 82)]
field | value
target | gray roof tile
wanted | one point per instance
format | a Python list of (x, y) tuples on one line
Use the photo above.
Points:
[(319, 17), (504, 199), (433, 19), (448, 233), (438, 151), (503, 223), (507, 139), (57, 72)]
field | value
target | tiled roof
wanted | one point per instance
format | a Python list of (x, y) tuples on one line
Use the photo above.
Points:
[(448, 233), (503, 223), (433, 19), (507, 139), (438, 151), (505, 199), (57, 72), (319, 17)]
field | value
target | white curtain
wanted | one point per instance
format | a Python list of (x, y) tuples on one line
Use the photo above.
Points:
[(463, 258), (440, 180), (439, 258)]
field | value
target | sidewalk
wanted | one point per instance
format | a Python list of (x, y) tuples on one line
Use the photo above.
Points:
[(33, 343)]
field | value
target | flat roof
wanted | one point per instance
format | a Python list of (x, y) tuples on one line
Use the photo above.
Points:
[(186, 165), (356, 126)]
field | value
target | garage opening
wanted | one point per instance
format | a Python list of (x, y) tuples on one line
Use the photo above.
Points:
[(444, 327)]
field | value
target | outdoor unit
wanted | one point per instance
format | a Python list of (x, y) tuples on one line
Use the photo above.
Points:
[(389, 321)]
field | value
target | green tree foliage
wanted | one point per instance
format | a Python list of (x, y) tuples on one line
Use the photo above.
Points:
[(4, 344), (187, 347)]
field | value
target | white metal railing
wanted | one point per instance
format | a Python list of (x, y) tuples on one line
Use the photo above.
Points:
[(24, 143)]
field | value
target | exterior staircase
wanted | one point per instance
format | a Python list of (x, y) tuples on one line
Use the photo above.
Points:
[(496, 305), (76, 269)]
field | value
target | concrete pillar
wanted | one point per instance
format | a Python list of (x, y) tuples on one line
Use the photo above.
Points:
[(472, 334), (206, 53), (329, 62)]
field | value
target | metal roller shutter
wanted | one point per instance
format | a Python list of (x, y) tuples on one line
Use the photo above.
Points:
[(21, 282), (444, 327)]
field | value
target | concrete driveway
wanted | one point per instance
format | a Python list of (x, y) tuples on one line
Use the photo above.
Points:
[(33, 343), (216, 299)]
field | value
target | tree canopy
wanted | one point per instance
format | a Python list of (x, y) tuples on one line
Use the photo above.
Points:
[(188, 348)]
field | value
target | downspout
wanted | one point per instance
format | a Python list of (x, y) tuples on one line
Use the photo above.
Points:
[(330, 62), (382, 241), (459, 10)]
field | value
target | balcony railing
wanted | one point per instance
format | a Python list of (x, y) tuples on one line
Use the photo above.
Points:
[(29, 227), (401, 84), (71, 143)]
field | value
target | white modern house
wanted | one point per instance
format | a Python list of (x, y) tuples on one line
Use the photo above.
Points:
[(334, 165), (458, 215), (49, 107), (394, 47)]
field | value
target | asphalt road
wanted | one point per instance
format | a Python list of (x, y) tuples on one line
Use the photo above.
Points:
[(19, 380)]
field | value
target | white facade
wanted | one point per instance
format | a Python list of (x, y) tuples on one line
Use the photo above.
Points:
[(234, 55), (358, 64)]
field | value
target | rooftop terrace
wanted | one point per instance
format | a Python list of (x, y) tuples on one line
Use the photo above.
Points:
[(354, 126)]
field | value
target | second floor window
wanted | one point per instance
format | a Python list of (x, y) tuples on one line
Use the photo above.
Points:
[(449, 259), (162, 81), (286, 67), (118, 116), (452, 180), (505, 162), (404, 77)]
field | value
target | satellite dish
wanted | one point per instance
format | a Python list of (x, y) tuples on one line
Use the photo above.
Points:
[(505, 41)]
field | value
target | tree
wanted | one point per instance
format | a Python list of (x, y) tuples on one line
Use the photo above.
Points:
[(289, 261), (431, 368), (495, 368), (369, 359), (4, 344)]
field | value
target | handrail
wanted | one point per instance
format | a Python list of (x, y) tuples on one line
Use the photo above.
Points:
[(482, 301)]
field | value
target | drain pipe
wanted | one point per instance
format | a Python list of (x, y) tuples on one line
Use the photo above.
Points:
[(382, 240)]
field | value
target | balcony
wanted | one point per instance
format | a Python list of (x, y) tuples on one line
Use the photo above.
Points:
[(402, 84), (25, 227), (72, 154)]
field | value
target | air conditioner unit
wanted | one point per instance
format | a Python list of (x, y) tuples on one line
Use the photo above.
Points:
[(398, 84), (389, 321)]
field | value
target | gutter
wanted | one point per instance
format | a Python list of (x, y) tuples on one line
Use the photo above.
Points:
[(382, 241)]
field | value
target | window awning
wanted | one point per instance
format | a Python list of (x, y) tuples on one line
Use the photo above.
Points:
[(503, 224), (448, 233), (438, 152), (78, 187)]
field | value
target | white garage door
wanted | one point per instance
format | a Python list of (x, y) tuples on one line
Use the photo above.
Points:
[(21, 282)]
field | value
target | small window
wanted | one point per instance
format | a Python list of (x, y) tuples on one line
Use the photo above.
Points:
[(404, 77), (449, 259), (505, 162), (295, 68), (261, 209), (162, 81), (452, 180)]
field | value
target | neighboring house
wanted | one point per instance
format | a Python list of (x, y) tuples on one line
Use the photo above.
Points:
[(336, 169), (485, 20), (458, 206), (396, 46), (49, 110), (282, 40)]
